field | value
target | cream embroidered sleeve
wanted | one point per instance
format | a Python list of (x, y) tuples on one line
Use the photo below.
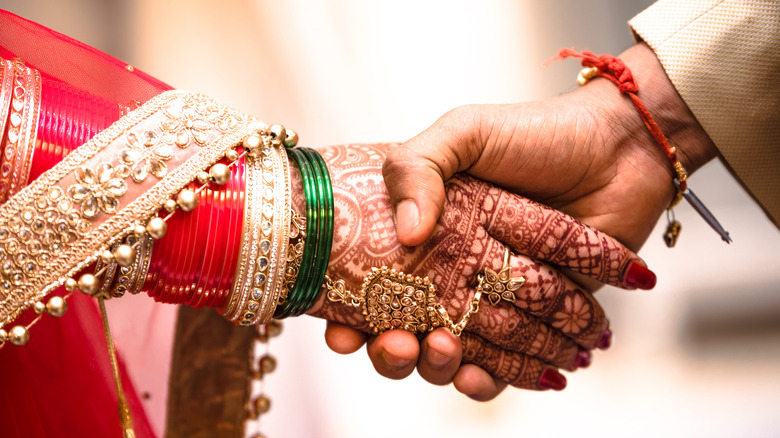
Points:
[(723, 57)]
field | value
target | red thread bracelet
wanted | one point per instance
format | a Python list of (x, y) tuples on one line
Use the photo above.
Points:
[(612, 68)]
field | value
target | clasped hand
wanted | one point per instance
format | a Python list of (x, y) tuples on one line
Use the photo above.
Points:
[(552, 323)]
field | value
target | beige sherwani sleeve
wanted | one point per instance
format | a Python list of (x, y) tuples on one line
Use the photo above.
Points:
[(723, 57)]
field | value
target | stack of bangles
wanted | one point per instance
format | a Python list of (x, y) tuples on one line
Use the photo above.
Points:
[(243, 251), (318, 192)]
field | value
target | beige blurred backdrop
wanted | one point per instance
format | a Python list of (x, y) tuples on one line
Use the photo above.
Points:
[(697, 356)]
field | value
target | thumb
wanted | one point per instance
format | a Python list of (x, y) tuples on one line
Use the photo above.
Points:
[(415, 172)]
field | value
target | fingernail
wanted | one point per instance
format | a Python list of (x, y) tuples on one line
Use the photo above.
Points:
[(639, 276), (407, 217), (605, 340), (552, 379), (394, 361), (583, 359), (437, 359)]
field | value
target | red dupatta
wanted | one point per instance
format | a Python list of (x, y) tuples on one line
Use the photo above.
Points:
[(60, 383)]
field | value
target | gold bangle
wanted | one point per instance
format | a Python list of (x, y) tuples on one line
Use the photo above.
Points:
[(278, 259), (297, 237), (28, 129), (131, 278), (242, 292), (6, 91), (20, 139)]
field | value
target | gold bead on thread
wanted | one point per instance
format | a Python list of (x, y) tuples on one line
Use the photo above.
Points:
[(39, 307), (220, 173), (56, 306), (187, 200), (19, 335), (3, 335), (139, 230), (277, 132), (124, 255), (261, 405), (273, 328), (292, 139), (231, 155), (203, 177), (252, 142), (88, 284), (266, 364), (107, 256), (170, 206), (587, 74), (157, 228), (71, 285)]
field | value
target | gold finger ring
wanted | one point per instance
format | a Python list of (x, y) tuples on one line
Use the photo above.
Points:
[(500, 285)]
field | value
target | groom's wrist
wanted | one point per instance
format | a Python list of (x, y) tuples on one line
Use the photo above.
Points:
[(664, 103)]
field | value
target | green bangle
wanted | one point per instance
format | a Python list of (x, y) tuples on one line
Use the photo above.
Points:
[(296, 295), (325, 228)]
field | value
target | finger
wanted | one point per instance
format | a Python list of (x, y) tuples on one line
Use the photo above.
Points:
[(543, 233), (545, 296), (342, 339), (394, 353), (440, 357), (414, 171), (516, 369), (477, 384)]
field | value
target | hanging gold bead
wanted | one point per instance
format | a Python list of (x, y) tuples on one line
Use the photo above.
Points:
[(124, 255), (107, 256), (39, 307), (252, 142), (70, 285), (3, 335), (88, 284), (19, 335), (231, 155), (274, 328), (170, 205), (220, 173), (277, 132), (267, 364), (187, 200), (139, 230), (292, 138), (261, 405), (56, 306), (203, 177), (157, 228)]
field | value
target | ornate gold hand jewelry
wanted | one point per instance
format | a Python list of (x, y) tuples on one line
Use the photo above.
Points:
[(391, 299), (500, 285)]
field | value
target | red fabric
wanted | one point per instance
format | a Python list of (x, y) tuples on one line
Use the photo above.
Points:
[(613, 69), (60, 384)]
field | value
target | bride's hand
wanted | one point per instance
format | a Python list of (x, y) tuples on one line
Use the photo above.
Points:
[(552, 324)]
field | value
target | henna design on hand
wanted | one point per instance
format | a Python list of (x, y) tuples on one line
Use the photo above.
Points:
[(552, 317)]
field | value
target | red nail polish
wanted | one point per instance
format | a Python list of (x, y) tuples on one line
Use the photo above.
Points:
[(639, 276), (605, 340), (583, 359), (552, 379)]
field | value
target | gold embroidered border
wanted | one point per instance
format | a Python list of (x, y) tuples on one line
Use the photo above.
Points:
[(211, 129)]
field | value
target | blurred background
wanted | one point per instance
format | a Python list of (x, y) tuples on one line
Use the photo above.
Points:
[(697, 356)]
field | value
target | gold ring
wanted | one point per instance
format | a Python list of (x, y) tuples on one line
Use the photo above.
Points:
[(500, 285)]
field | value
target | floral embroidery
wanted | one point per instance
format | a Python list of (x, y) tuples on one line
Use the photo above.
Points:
[(575, 315), (98, 190), (146, 155), (185, 124)]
